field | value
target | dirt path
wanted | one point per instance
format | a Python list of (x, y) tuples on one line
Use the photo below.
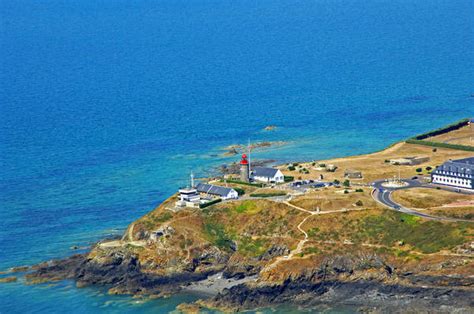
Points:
[(302, 242)]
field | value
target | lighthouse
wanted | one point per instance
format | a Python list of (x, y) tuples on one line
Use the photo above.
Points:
[(244, 169)]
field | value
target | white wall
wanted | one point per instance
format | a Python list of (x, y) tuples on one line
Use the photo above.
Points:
[(457, 182), (278, 178)]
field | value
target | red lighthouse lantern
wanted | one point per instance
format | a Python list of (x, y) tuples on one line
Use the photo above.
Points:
[(244, 169)]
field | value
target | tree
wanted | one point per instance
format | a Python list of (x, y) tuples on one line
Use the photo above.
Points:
[(336, 182), (419, 169), (429, 168), (346, 183)]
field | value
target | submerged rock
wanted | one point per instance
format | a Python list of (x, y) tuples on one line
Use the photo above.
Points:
[(8, 279)]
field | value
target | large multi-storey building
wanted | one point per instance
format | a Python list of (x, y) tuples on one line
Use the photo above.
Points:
[(457, 173)]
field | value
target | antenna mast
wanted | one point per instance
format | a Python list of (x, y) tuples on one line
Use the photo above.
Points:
[(248, 148), (192, 179)]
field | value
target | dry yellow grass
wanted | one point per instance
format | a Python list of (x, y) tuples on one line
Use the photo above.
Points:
[(334, 199), (463, 136), (424, 198), (373, 166), (438, 202)]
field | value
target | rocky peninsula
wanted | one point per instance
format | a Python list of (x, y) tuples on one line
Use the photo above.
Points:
[(259, 252)]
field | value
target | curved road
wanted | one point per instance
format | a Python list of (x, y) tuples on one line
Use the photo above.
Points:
[(383, 194)]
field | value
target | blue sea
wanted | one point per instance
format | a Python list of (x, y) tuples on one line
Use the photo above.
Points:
[(107, 105)]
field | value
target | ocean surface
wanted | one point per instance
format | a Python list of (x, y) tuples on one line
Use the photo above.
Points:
[(107, 105)]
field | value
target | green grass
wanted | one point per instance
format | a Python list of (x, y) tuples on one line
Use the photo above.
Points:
[(216, 234), (249, 247), (164, 217), (311, 250), (248, 207), (312, 232), (152, 220), (425, 236)]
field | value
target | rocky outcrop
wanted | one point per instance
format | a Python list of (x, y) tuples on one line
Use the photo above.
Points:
[(358, 281), (274, 251), (119, 269), (363, 294), (362, 281)]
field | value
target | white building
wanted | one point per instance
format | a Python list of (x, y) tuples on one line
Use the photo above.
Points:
[(456, 173), (188, 197), (267, 175), (219, 191)]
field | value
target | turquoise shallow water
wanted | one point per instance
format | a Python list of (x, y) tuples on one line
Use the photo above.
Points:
[(106, 106)]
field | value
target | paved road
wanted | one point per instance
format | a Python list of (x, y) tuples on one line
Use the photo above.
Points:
[(383, 195)]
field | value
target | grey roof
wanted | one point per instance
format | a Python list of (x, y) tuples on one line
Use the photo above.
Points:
[(264, 172), (464, 166), (213, 189)]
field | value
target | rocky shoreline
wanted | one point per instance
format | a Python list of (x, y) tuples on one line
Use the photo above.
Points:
[(365, 282), (364, 295)]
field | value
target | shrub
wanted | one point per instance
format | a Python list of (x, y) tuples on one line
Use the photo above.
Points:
[(250, 247), (419, 169), (359, 190), (322, 165), (359, 203), (346, 183), (428, 168), (215, 232), (217, 200), (346, 192), (240, 191), (336, 182), (288, 178), (164, 217), (291, 168)]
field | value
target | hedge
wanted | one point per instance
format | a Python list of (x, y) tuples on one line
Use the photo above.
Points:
[(288, 178), (268, 194), (246, 183), (217, 200), (446, 129), (442, 145), (239, 191)]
